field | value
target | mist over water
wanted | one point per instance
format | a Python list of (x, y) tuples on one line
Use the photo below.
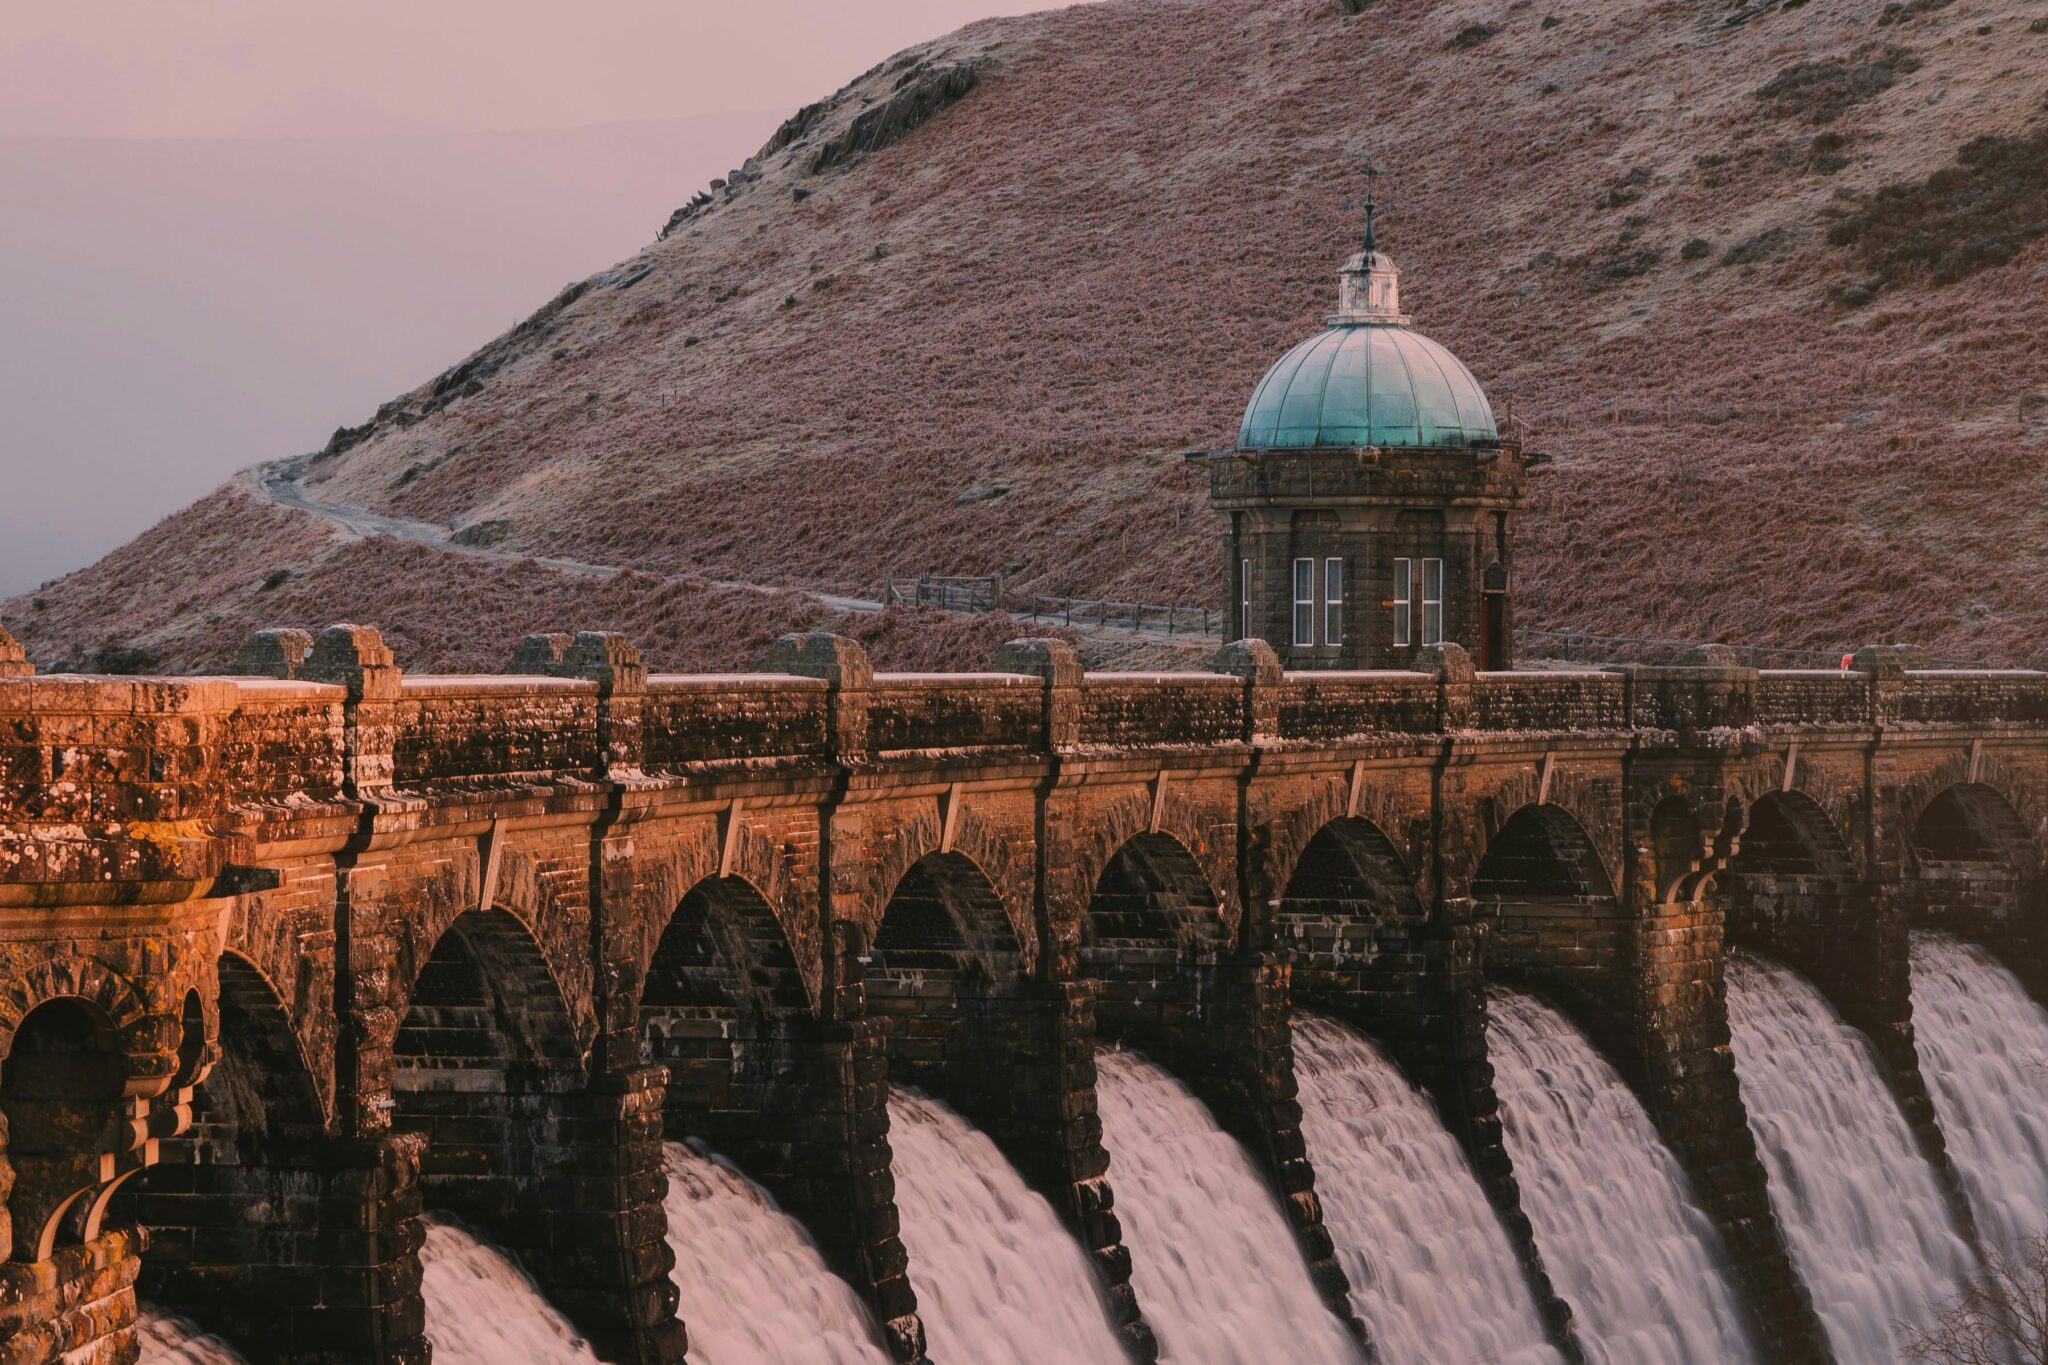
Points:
[(1432, 1271), (1983, 1046), (1861, 1207), (1214, 1264), (755, 1290), (1625, 1245), (999, 1281)]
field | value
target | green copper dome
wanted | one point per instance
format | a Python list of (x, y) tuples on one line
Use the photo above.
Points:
[(1367, 380)]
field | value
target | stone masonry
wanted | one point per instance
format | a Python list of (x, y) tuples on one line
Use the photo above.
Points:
[(289, 957)]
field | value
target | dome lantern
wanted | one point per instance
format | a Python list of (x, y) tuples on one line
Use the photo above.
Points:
[(1369, 499)]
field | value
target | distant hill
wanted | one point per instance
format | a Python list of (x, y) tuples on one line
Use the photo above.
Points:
[(1767, 280)]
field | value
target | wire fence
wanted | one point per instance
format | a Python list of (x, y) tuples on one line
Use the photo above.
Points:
[(1578, 646)]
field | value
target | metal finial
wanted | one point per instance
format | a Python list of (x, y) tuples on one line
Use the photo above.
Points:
[(1372, 174)]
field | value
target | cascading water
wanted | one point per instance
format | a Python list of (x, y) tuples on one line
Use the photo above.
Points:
[(168, 1339), (754, 1289), (998, 1279), (1622, 1240), (1214, 1264), (1432, 1271), (1983, 1046), (482, 1309), (1861, 1207)]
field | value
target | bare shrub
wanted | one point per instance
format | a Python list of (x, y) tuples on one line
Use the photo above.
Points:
[(2001, 1317), (1973, 215), (1823, 90)]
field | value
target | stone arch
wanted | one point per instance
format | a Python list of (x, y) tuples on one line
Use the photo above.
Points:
[(1792, 890), (941, 963), (486, 1065), (1838, 804), (1153, 926), (721, 992), (62, 1084), (419, 930), (665, 883), (1293, 829), (1679, 851), (1568, 793), (981, 853), (1095, 834), (1556, 922), (1348, 888), (2018, 830), (142, 1037), (256, 1117), (1973, 868)]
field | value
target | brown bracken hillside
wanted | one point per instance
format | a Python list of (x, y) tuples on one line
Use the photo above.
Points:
[(1768, 280)]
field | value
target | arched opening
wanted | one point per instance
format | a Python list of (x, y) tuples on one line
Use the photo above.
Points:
[(224, 1248), (60, 1091), (1677, 848), (1153, 925), (941, 959), (721, 991), (1350, 905), (1971, 858), (1556, 924), (485, 1064), (1788, 886)]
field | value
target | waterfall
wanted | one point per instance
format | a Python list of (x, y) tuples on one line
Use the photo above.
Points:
[(1214, 1263), (1862, 1209), (1432, 1271), (1983, 1046), (999, 1281), (168, 1339), (754, 1289), (1622, 1240), (482, 1309)]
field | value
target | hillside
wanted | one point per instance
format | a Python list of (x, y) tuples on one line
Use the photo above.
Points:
[(1767, 281)]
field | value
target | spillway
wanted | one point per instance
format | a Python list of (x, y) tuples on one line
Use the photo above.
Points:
[(1432, 1271), (168, 1339), (999, 1281), (1214, 1263), (755, 1290), (1623, 1241), (1983, 1046), (1860, 1206), (483, 1309)]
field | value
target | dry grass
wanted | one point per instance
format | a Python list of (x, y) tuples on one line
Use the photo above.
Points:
[(1083, 267)]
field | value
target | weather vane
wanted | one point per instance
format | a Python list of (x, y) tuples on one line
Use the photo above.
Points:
[(1371, 203)]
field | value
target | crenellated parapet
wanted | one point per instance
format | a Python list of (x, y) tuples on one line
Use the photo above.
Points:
[(488, 938)]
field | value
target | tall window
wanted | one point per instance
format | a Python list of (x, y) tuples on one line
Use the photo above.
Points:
[(1304, 601), (1432, 601), (1244, 598), (1403, 602), (1333, 601)]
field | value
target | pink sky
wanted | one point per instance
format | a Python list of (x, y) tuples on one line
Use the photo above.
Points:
[(345, 68), (293, 209)]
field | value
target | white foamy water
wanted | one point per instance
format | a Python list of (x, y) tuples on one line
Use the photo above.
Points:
[(1432, 1271), (755, 1290), (1983, 1046), (483, 1309), (1215, 1266), (1623, 1242), (1860, 1206), (999, 1281), (168, 1339)]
